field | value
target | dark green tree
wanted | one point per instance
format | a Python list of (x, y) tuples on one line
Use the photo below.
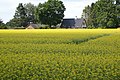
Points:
[(21, 15), (118, 2), (37, 12), (1, 21), (2, 25), (104, 13), (118, 11), (30, 12), (86, 14), (14, 22), (51, 12), (108, 14)]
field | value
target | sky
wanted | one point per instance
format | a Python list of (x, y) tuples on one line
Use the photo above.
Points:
[(73, 7)]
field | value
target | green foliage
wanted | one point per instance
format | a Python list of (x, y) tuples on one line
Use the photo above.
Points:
[(90, 27), (20, 12), (37, 9), (110, 24), (20, 16), (19, 28), (44, 27), (79, 41), (51, 12), (30, 12), (2, 25), (23, 16), (46, 54), (118, 2), (103, 13), (15, 23), (1, 21), (86, 14)]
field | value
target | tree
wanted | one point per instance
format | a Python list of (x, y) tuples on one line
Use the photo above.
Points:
[(37, 10), (20, 12), (21, 15), (2, 25), (24, 15), (86, 14), (104, 13), (30, 12), (51, 12), (14, 22), (118, 2), (118, 11), (1, 21)]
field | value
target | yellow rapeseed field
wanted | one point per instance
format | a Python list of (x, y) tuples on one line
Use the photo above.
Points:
[(60, 54)]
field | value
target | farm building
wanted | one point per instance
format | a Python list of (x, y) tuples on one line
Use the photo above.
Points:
[(73, 23), (33, 26)]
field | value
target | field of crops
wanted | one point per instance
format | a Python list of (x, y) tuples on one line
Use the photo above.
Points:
[(60, 54)]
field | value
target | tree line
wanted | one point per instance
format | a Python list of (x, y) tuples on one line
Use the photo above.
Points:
[(2, 25), (103, 14), (49, 13)]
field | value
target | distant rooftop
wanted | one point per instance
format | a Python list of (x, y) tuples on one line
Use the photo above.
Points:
[(73, 23)]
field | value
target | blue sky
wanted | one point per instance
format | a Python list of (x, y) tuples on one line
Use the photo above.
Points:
[(73, 7)]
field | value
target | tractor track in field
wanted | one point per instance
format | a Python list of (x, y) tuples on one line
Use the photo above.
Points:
[(79, 41)]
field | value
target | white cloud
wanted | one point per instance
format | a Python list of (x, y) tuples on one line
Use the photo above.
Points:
[(73, 7)]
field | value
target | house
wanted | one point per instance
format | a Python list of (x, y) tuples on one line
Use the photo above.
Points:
[(33, 26), (73, 23)]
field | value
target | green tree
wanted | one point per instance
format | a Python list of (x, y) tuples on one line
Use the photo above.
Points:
[(2, 25), (118, 2), (21, 15), (1, 21), (14, 22), (37, 10), (86, 14), (104, 13), (51, 12), (118, 11), (30, 12)]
